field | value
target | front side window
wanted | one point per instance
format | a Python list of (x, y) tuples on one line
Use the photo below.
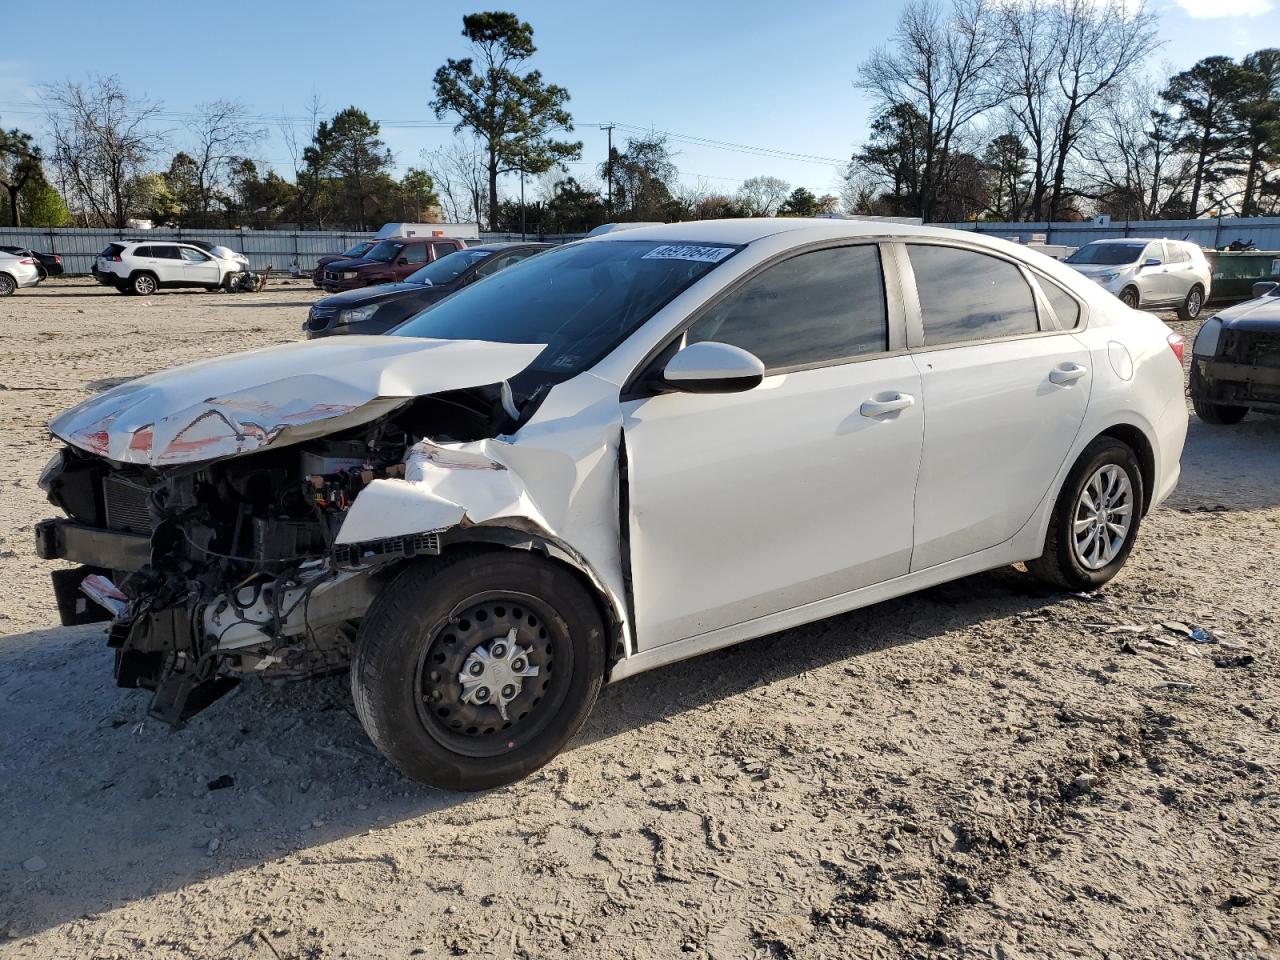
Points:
[(1155, 251), (818, 307), (385, 251), (581, 300), (965, 295), (193, 256), (415, 253), (502, 261)]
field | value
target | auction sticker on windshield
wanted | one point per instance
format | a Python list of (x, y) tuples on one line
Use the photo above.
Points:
[(688, 251)]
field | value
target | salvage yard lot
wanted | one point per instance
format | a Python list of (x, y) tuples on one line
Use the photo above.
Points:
[(984, 769)]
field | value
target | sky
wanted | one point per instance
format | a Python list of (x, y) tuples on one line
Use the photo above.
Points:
[(770, 83)]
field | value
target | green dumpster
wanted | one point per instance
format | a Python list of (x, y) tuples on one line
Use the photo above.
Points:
[(1235, 273)]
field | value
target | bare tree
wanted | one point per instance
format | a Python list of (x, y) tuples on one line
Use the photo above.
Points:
[(763, 196), (103, 140), (308, 187), (1100, 45), (943, 67), (221, 134), (461, 177), (1026, 66)]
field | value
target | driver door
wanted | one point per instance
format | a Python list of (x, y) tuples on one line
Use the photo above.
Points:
[(747, 504), (199, 268)]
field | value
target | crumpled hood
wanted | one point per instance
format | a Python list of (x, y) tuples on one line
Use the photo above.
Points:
[(275, 396)]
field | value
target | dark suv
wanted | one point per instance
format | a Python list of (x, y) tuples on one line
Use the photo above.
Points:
[(353, 253), (377, 311), (388, 261)]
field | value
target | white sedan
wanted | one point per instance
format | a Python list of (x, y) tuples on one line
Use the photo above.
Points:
[(619, 454), (17, 272)]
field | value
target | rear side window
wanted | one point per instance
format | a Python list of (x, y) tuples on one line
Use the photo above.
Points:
[(166, 253), (818, 307), (965, 295), (442, 250), (1177, 253), (112, 250), (142, 252), (1064, 305)]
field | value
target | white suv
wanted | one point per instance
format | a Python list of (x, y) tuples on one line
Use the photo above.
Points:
[(1148, 274), (144, 266)]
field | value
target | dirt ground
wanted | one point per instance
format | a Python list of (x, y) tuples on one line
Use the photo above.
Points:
[(980, 770)]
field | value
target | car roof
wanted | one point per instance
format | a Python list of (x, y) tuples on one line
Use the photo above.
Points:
[(1139, 240), (508, 245), (749, 229)]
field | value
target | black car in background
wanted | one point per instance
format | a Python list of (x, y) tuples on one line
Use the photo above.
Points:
[(1235, 363), (379, 308), (50, 263)]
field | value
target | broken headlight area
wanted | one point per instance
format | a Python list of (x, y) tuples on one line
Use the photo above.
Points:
[(215, 571)]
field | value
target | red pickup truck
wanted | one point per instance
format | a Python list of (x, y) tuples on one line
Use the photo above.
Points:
[(387, 261)]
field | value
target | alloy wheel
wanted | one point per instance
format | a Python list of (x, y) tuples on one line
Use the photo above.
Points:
[(1103, 517)]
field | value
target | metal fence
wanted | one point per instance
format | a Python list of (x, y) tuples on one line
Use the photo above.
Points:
[(286, 251), (283, 250), (1210, 234)]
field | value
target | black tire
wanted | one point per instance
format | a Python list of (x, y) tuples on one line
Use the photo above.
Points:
[(1129, 297), (425, 627), (7, 285), (1060, 566), (1191, 307), (143, 284), (1219, 414)]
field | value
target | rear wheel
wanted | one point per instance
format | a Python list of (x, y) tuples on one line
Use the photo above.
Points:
[(1193, 304), (7, 285), (143, 284), (1219, 414), (474, 671), (1129, 297), (1095, 520)]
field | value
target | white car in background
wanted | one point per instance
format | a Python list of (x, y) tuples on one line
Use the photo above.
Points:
[(1148, 274), (144, 266), (607, 458), (17, 272)]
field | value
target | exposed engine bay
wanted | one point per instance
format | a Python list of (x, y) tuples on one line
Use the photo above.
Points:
[(217, 569)]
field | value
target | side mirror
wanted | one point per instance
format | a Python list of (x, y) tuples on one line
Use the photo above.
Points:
[(1151, 262), (403, 261), (711, 367), (1266, 288)]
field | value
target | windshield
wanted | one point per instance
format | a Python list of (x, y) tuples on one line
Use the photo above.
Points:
[(385, 251), (1113, 254), (358, 249), (581, 300), (448, 268)]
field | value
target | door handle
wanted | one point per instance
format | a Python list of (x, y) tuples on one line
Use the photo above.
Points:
[(1066, 373), (883, 405)]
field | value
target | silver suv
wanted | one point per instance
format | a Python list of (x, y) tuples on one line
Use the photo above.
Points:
[(1148, 274)]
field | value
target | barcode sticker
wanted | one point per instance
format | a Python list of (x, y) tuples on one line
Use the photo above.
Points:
[(688, 251)]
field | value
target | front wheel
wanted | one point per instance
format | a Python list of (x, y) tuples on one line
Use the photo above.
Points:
[(1129, 297), (1192, 305), (1095, 519), (473, 671)]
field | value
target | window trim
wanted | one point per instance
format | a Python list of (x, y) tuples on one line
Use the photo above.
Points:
[(633, 387), (915, 316)]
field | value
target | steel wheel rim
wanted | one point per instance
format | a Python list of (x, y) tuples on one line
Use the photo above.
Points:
[(448, 706), (1103, 517)]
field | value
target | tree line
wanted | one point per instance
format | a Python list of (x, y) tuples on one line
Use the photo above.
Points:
[(1042, 110)]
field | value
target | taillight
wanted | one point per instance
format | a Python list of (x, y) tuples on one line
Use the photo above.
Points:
[(115, 259), (57, 259), (1178, 344), (27, 261)]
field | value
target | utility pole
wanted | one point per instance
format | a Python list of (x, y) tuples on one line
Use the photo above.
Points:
[(522, 229), (608, 165)]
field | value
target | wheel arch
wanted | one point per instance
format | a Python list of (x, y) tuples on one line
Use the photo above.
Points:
[(528, 537), (1136, 440), (134, 274)]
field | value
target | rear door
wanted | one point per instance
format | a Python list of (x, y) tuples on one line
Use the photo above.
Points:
[(1181, 270), (747, 504), (1004, 393), (166, 262)]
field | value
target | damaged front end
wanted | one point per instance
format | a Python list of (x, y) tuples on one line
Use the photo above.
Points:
[(219, 544)]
